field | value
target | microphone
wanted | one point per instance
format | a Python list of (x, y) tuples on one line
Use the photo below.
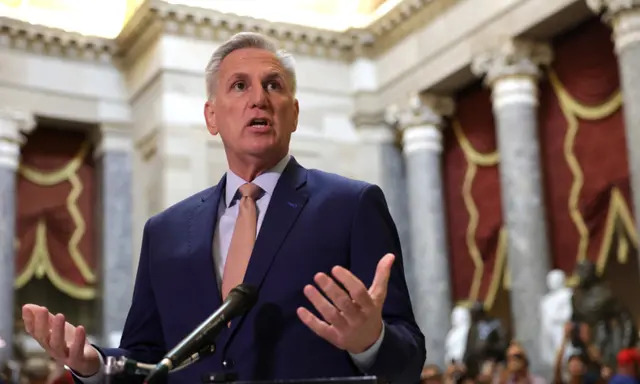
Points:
[(238, 302)]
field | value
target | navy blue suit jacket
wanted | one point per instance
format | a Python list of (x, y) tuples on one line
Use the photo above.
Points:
[(315, 221)]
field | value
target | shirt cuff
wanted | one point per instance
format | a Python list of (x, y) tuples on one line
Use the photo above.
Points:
[(364, 360), (97, 378)]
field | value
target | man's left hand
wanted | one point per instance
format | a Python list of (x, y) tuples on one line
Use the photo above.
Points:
[(353, 318)]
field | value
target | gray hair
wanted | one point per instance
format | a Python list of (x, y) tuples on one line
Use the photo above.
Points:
[(246, 40)]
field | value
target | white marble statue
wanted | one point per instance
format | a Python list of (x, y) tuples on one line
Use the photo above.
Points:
[(555, 312), (456, 342)]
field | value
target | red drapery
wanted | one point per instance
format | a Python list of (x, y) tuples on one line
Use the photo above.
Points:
[(55, 218), (584, 152), (584, 160), (473, 197)]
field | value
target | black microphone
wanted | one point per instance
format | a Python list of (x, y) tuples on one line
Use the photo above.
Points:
[(239, 301)]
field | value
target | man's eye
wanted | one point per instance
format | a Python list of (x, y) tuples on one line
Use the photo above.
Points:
[(273, 86), (239, 86)]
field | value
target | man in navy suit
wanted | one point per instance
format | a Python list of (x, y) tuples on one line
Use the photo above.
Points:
[(273, 224)]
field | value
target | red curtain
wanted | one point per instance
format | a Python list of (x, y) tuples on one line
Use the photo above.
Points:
[(586, 161), (472, 194), (55, 220), (584, 166)]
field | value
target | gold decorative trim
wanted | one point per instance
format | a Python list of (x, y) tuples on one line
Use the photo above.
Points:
[(474, 159), (572, 109), (499, 270), (618, 212), (40, 265), (68, 172)]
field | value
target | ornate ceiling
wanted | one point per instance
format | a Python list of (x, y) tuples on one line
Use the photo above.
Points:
[(106, 18)]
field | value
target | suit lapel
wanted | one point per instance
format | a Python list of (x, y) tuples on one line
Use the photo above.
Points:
[(287, 202), (201, 229)]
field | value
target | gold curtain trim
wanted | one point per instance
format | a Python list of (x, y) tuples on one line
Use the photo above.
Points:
[(618, 211), (572, 109), (474, 159), (40, 265), (498, 269), (470, 153), (67, 172)]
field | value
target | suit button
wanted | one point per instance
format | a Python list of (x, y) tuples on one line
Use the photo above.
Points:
[(227, 363)]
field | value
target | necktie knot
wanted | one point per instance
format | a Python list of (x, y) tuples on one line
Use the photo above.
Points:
[(250, 190)]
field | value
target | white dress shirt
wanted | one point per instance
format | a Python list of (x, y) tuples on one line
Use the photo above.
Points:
[(227, 214)]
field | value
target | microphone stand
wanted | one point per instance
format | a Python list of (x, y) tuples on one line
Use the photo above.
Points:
[(117, 366)]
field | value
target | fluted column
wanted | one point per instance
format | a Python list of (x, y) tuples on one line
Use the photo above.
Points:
[(114, 159), (381, 163), (428, 263), (12, 126), (624, 16), (512, 72)]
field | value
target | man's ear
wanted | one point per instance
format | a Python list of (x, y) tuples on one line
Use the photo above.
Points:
[(209, 117), (297, 108)]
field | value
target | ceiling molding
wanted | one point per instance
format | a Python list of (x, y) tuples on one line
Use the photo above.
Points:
[(156, 17), (39, 39)]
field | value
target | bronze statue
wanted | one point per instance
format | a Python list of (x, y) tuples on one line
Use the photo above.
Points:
[(610, 325), (486, 341)]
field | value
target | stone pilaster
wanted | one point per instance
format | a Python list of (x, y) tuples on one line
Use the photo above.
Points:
[(114, 159), (12, 126), (512, 72), (427, 266), (624, 16)]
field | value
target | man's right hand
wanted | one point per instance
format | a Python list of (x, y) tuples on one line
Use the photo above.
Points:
[(64, 342)]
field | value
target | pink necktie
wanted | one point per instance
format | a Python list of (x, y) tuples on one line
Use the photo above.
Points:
[(242, 240)]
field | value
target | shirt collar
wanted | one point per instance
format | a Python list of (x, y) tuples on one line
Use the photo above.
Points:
[(267, 180)]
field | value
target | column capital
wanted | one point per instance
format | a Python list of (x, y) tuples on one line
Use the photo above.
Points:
[(624, 16), (113, 138), (13, 125), (612, 8), (424, 109), (515, 58), (373, 127), (422, 120)]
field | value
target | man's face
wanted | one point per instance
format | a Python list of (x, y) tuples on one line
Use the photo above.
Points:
[(516, 359), (253, 107), (576, 367)]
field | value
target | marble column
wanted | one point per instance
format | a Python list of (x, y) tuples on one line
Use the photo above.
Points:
[(381, 163), (428, 264), (12, 126), (512, 72), (114, 160), (624, 16)]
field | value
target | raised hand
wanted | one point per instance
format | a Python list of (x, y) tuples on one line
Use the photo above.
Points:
[(66, 343), (353, 320)]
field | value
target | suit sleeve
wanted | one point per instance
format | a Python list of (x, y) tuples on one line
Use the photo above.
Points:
[(402, 353), (142, 337)]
